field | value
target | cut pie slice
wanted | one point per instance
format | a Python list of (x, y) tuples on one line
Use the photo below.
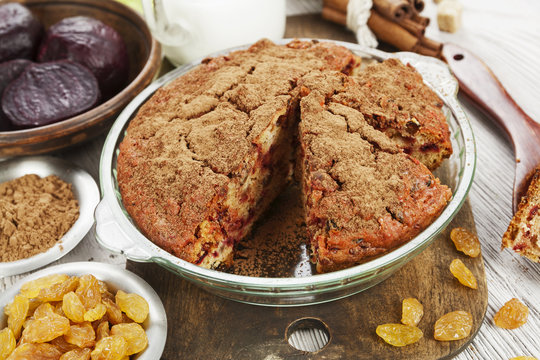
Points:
[(363, 195), (524, 229)]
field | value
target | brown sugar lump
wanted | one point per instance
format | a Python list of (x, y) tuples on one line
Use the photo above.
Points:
[(523, 233), (207, 153), (398, 102), (449, 15), (363, 195)]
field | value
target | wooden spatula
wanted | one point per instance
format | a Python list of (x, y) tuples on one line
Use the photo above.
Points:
[(479, 83)]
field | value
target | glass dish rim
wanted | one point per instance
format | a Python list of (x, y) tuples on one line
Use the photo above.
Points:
[(144, 250)]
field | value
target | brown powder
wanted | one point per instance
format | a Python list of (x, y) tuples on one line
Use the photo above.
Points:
[(34, 214)]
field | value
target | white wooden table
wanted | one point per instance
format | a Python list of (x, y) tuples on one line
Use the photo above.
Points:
[(506, 36)]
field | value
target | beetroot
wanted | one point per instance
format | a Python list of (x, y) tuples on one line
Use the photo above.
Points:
[(93, 44), (20, 32), (9, 70), (49, 92)]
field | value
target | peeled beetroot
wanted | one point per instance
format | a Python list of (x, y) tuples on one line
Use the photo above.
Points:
[(20, 32), (9, 70), (49, 92), (93, 44)]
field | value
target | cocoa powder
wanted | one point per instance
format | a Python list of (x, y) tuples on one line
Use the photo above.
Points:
[(34, 214)]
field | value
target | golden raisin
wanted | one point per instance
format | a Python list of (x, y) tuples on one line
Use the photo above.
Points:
[(465, 241), (43, 310), (110, 348), (95, 313), (35, 352), (62, 345), (32, 288), (77, 354), (463, 274), (135, 306), (7, 343), (412, 312), (82, 335), (73, 307), (102, 330), (512, 315), (33, 304), (455, 325), (88, 291), (57, 291), (45, 329), (134, 335), (16, 313), (399, 334), (113, 311)]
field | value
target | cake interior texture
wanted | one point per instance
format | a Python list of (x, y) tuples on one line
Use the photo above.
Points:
[(524, 229), (207, 154)]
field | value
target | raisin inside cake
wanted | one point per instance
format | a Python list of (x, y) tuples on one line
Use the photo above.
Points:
[(207, 154)]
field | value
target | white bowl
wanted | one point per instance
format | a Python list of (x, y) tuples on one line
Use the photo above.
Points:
[(85, 190), (116, 279)]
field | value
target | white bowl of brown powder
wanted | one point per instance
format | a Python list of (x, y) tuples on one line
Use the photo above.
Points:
[(46, 208)]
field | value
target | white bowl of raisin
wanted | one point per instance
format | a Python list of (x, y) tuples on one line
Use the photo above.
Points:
[(82, 310)]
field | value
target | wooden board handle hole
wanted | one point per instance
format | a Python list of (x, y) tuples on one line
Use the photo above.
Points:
[(308, 334)]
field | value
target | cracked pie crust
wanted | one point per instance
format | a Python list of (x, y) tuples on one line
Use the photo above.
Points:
[(207, 154)]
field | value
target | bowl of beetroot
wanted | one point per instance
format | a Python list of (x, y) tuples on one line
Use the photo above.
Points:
[(67, 68)]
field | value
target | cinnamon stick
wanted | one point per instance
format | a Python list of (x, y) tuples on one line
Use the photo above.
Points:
[(394, 9), (418, 5), (422, 20), (391, 33), (334, 15), (340, 5), (431, 44), (422, 50), (413, 27)]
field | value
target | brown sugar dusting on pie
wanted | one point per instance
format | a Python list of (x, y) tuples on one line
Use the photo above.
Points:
[(207, 154), (524, 229), (363, 195)]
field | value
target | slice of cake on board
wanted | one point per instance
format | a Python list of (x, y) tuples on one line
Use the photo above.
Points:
[(523, 233)]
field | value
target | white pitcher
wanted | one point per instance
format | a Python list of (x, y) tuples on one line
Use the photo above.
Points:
[(190, 29)]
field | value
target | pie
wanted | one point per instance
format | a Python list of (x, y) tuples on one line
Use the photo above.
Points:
[(207, 154)]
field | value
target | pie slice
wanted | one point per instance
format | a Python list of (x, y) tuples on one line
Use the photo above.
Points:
[(363, 195), (524, 229)]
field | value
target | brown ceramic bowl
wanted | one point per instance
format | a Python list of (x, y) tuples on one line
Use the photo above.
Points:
[(144, 54)]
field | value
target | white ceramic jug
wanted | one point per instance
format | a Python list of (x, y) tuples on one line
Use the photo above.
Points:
[(190, 29)]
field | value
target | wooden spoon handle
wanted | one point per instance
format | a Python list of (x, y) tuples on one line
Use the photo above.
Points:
[(478, 82)]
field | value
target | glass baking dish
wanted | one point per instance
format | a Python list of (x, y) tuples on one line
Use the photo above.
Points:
[(116, 231)]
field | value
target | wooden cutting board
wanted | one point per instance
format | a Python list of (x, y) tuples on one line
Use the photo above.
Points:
[(204, 326)]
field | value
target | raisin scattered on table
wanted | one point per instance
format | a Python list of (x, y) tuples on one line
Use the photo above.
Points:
[(399, 334), (463, 274), (512, 315), (412, 312), (465, 241), (455, 325)]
